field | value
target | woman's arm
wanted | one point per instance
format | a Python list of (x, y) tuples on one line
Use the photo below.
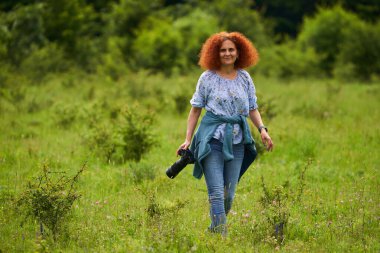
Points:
[(255, 116), (192, 121)]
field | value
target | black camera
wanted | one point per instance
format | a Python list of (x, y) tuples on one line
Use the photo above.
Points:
[(186, 158)]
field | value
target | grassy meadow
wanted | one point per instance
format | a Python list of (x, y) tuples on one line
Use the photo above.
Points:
[(321, 181)]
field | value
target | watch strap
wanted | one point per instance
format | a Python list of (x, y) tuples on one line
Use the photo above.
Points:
[(262, 127)]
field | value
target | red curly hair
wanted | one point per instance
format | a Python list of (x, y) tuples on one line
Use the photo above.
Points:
[(209, 56)]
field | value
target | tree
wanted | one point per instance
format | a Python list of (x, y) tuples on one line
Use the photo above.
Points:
[(22, 31)]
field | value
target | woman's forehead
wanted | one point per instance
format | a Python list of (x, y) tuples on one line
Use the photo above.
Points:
[(228, 44)]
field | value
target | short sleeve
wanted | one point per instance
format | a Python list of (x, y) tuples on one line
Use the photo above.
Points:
[(199, 96), (252, 99)]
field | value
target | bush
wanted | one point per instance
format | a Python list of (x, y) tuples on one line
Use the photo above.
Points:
[(22, 31), (239, 16), (100, 139), (181, 102), (158, 46), (289, 60), (359, 55), (112, 62), (134, 136), (49, 198), (326, 33), (70, 24), (45, 60), (195, 27), (277, 203)]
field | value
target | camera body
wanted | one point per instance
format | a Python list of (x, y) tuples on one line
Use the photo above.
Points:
[(186, 158)]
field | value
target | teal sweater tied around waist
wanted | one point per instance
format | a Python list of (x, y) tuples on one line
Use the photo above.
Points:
[(200, 146)]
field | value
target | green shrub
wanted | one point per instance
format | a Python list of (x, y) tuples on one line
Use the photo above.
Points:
[(45, 60), (21, 31), (5, 36), (326, 33), (277, 203), (147, 90), (87, 53), (101, 141), (288, 60), (49, 198), (181, 101), (195, 28), (112, 62), (134, 136), (71, 24), (5, 75), (276, 209), (126, 137), (158, 46), (126, 15), (93, 113), (239, 16), (359, 55)]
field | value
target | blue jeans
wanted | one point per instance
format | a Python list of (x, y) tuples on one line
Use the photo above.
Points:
[(221, 179)]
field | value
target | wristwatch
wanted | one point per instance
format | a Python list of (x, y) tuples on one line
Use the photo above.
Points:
[(261, 128)]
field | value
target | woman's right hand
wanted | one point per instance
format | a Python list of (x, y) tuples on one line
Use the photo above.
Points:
[(184, 145), (191, 123)]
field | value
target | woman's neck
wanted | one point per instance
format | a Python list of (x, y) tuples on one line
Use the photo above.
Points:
[(227, 72), (227, 69)]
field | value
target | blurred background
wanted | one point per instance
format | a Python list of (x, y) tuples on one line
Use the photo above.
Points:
[(325, 38), (105, 86)]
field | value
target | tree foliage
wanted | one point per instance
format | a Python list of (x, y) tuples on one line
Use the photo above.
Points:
[(20, 31), (343, 41), (326, 33), (112, 37)]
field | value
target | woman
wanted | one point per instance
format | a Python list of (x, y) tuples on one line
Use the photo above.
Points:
[(223, 146)]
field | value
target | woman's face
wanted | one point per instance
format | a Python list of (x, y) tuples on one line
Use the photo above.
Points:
[(228, 53)]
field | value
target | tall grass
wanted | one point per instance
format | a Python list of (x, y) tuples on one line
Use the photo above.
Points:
[(134, 207)]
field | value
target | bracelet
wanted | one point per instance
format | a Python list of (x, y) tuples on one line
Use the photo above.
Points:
[(261, 128)]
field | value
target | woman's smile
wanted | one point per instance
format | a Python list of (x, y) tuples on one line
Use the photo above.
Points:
[(228, 53)]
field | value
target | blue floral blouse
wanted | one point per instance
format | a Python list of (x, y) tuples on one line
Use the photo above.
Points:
[(226, 97)]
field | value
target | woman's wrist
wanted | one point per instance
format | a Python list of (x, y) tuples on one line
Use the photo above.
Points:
[(261, 127)]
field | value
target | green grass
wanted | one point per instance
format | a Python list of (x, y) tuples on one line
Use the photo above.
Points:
[(134, 207)]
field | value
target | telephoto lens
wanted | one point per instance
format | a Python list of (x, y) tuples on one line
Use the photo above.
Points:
[(186, 158)]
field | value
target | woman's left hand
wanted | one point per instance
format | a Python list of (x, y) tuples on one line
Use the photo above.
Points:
[(267, 141)]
